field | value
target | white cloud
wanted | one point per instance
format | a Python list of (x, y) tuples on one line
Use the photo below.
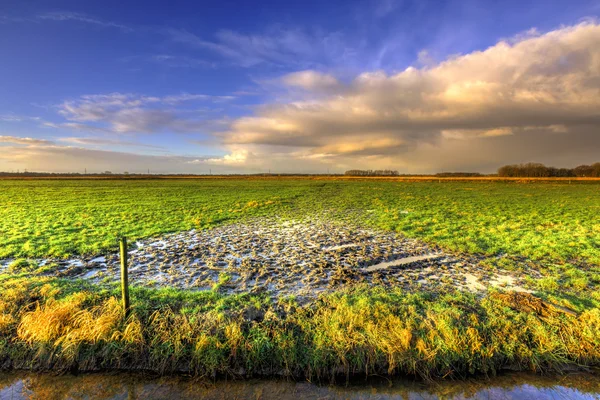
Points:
[(236, 157), (177, 61), (79, 17), (312, 80), (92, 141), (174, 99), (10, 118), (17, 118), (132, 113), (536, 82), (277, 46), (24, 140), (73, 159)]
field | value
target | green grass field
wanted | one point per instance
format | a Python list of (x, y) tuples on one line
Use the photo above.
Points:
[(59, 218), (51, 323)]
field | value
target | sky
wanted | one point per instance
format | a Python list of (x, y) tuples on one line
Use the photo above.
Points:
[(306, 87)]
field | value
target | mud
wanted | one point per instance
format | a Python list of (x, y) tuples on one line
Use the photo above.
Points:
[(286, 258)]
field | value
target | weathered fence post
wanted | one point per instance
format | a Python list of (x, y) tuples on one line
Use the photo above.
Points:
[(124, 278)]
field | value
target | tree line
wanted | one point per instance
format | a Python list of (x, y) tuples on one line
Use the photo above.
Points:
[(536, 170), (371, 172)]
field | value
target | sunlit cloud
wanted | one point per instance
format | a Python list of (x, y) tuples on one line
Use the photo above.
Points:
[(79, 159), (535, 82), (91, 141), (236, 158), (24, 140), (312, 81)]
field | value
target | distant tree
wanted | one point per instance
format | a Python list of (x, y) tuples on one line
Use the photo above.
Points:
[(540, 170), (582, 170)]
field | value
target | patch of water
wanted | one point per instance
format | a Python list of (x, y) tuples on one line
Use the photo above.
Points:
[(400, 262), (520, 386)]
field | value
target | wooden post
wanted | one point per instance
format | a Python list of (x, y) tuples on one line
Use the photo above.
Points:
[(124, 279)]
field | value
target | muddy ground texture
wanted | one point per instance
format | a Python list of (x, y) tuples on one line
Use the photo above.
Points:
[(300, 258)]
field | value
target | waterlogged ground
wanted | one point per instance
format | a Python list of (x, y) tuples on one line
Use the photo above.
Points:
[(301, 257), (17, 386)]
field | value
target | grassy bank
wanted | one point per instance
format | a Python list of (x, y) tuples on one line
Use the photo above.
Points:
[(63, 325)]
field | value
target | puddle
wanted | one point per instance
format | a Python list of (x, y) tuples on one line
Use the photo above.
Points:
[(508, 282), (400, 262), (473, 283), (17, 386)]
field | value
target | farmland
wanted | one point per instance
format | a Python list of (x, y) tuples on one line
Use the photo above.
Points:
[(297, 276), (537, 220)]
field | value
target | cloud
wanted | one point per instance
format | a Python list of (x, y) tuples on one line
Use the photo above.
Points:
[(10, 118), (312, 80), (174, 99), (176, 61), (24, 140), (384, 7), (74, 126), (533, 83), (171, 60), (17, 118), (79, 17), (132, 113), (107, 142), (471, 133), (236, 157), (74, 159), (277, 46)]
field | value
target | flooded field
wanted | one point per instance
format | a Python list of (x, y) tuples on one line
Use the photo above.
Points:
[(302, 258), (16, 386)]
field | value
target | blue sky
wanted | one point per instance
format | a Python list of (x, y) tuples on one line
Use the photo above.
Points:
[(185, 86)]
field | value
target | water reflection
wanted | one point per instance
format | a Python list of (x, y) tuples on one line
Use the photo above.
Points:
[(130, 386)]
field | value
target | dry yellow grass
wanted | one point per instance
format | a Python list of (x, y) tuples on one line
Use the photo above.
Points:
[(363, 331)]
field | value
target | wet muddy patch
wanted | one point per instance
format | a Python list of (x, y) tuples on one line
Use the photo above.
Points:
[(301, 258)]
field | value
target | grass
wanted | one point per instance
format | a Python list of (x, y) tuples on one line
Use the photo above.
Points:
[(53, 324), (539, 220), (50, 323)]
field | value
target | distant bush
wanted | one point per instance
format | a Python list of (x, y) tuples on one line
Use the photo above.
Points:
[(537, 170)]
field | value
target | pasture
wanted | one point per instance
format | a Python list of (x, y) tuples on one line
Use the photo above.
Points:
[(552, 219), (301, 277)]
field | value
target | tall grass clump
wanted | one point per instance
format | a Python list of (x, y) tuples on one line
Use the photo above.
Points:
[(49, 324)]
